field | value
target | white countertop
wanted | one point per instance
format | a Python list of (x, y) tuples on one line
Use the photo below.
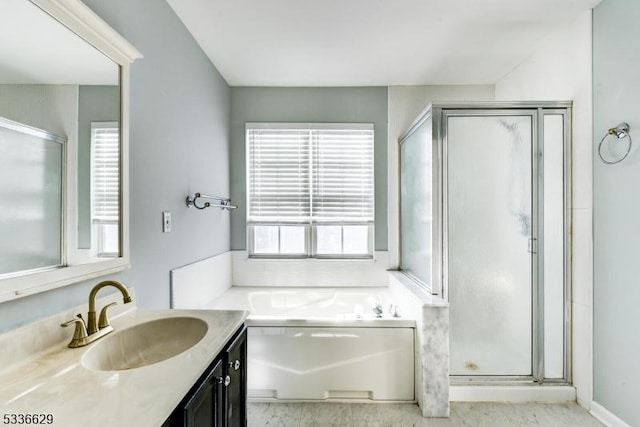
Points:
[(55, 382)]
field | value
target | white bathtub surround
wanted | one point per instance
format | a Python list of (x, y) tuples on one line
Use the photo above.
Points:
[(41, 375), (309, 272), (325, 343), (327, 309), (341, 306), (195, 285), (339, 363), (432, 342)]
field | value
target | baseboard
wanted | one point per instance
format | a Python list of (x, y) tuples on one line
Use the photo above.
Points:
[(605, 416), (332, 400), (509, 393)]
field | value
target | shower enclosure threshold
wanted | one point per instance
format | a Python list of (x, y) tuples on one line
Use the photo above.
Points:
[(514, 392)]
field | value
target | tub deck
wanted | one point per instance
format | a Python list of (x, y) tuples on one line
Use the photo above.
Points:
[(337, 307), (307, 344), (207, 284)]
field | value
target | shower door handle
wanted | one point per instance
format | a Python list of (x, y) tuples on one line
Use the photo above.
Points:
[(533, 245)]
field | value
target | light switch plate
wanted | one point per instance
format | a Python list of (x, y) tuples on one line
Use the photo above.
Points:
[(166, 222)]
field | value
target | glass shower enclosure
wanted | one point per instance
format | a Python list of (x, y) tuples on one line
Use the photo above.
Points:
[(484, 222)]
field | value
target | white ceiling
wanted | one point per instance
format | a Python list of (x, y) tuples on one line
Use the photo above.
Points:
[(371, 42), (37, 49)]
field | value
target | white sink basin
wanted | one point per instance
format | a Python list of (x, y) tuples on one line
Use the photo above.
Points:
[(145, 344)]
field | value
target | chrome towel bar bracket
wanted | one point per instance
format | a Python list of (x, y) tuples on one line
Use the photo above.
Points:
[(223, 203)]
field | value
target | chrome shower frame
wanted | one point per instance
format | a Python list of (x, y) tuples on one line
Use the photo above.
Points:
[(439, 112)]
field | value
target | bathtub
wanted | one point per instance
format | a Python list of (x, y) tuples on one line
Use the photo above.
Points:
[(324, 344)]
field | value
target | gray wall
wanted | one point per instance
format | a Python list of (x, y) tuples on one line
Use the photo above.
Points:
[(616, 317), (95, 104), (179, 145), (53, 108), (324, 105)]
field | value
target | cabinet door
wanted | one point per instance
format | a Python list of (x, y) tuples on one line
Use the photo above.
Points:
[(206, 407), (237, 389), (218, 399)]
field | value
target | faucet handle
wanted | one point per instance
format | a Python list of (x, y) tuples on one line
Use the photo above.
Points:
[(103, 320), (393, 310), (377, 309), (79, 334)]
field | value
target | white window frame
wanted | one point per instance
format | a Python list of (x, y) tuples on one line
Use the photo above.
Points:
[(76, 16), (310, 225)]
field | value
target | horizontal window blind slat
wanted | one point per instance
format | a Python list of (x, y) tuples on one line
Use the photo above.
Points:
[(105, 174), (315, 171), (343, 179), (278, 173)]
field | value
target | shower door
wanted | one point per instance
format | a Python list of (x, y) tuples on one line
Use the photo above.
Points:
[(489, 246)]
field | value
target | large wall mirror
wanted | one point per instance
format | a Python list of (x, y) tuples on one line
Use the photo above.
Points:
[(63, 146)]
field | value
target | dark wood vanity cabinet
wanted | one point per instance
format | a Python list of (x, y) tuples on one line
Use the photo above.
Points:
[(236, 392), (218, 399), (204, 406)]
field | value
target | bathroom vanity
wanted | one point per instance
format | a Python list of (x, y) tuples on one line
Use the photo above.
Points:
[(96, 385), (218, 398)]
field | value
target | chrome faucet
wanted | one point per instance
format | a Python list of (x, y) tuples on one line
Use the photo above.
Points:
[(377, 308), (86, 333)]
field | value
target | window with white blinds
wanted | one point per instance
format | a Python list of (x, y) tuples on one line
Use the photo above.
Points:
[(105, 185), (310, 189), (342, 168), (279, 175)]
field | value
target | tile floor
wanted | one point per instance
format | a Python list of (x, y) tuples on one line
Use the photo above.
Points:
[(408, 415)]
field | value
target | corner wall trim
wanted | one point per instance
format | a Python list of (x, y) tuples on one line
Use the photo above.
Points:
[(605, 416)]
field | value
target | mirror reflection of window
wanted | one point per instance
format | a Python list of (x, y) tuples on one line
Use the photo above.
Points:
[(105, 197), (60, 70), (53, 80)]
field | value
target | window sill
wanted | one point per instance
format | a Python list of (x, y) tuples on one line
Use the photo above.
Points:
[(309, 259)]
